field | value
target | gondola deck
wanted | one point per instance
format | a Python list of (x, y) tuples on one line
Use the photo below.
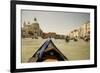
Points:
[(47, 52)]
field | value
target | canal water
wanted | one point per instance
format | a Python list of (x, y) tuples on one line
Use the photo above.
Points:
[(79, 50)]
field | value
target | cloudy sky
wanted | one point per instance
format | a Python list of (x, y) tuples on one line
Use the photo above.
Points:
[(59, 22)]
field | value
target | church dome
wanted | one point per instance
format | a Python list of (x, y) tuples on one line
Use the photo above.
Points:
[(35, 24)]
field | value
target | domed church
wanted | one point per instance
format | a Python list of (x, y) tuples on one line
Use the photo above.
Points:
[(32, 30)]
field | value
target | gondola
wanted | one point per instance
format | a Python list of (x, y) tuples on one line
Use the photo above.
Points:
[(47, 52)]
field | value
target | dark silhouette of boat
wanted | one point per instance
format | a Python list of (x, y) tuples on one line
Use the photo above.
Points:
[(67, 38), (47, 52)]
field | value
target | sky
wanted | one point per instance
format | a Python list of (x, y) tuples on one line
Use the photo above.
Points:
[(54, 21)]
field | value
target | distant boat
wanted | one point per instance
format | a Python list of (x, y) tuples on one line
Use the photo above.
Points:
[(47, 52), (75, 39), (67, 38)]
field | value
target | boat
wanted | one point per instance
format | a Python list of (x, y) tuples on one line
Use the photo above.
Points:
[(48, 52)]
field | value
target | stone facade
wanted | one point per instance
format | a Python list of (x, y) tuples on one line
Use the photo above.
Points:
[(81, 32), (85, 30), (32, 30)]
